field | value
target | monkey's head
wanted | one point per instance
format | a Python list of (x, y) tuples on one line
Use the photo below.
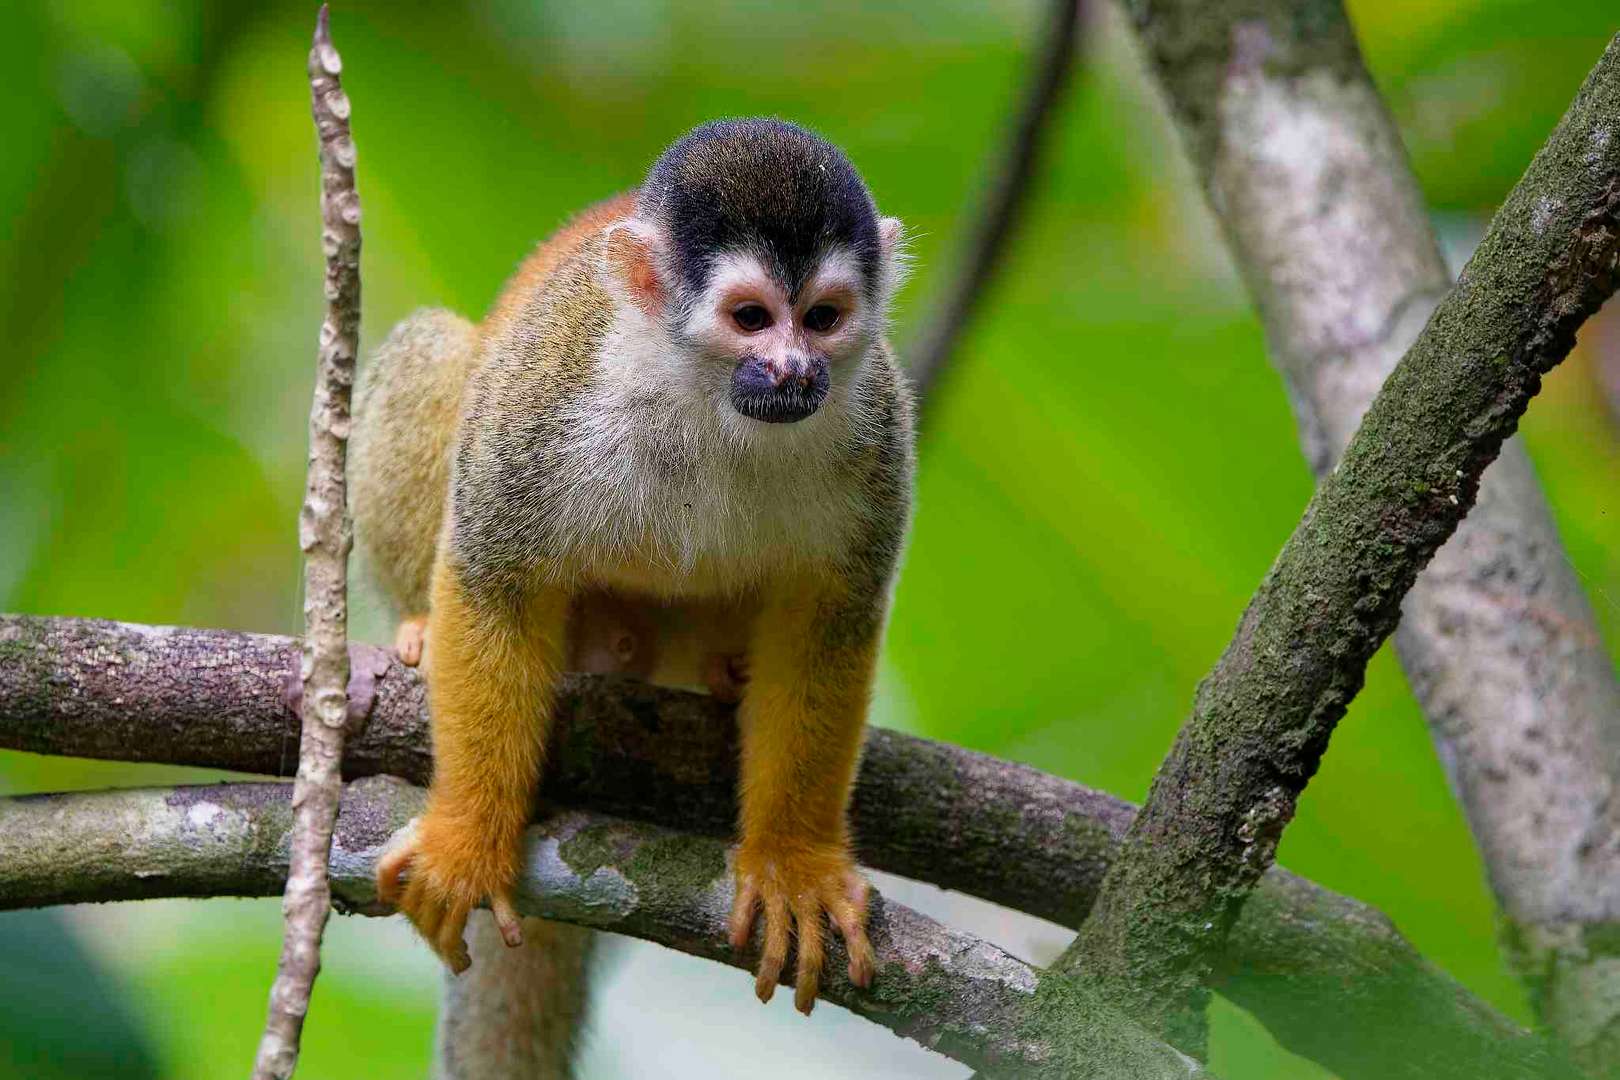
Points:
[(757, 247)]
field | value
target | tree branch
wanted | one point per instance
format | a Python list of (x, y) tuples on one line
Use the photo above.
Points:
[(948, 991), (324, 534), (1262, 718), (1327, 974), (1497, 638), (1014, 172)]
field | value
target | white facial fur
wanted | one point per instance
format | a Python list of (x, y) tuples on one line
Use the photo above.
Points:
[(670, 470), (687, 353)]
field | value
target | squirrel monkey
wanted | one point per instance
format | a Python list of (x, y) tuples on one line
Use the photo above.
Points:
[(678, 447)]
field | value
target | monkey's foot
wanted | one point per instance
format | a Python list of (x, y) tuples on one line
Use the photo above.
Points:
[(725, 676), (799, 886), (410, 639), (436, 873)]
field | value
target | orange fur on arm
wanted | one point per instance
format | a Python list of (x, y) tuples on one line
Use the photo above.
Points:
[(802, 718), (493, 670)]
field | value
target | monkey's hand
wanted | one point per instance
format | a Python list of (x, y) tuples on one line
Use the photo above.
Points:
[(799, 884), (437, 870), (410, 639)]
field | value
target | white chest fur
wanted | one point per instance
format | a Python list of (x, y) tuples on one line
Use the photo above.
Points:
[(668, 488)]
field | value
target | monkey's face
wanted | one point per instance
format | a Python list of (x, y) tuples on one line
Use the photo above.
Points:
[(763, 334), (781, 351)]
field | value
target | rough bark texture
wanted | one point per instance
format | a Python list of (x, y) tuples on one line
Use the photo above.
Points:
[(1325, 973), (1306, 173), (1262, 718), (948, 991), (1014, 173), (324, 534)]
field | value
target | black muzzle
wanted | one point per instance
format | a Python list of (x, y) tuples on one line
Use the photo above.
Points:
[(779, 393)]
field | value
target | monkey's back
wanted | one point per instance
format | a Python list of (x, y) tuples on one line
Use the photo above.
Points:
[(536, 270), (408, 408)]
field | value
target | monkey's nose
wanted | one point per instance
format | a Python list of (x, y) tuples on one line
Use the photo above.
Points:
[(777, 392)]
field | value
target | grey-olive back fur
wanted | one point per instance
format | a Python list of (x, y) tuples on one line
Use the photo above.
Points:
[(407, 406)]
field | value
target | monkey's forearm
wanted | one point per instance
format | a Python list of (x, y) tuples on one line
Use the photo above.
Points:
[(801, 719), (492, 669), (490, 681)]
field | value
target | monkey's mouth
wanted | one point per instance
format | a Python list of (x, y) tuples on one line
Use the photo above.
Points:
[(761, 391)]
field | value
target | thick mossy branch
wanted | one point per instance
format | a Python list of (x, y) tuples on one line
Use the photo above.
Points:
[(951, 992), (1497, 637), (1324, 972), (1261, 720)]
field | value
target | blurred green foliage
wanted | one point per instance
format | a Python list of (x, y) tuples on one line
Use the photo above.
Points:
[(1112, 472)]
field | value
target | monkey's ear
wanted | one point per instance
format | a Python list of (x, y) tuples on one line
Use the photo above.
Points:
[(892, 239), (632, 259), (890, 233)]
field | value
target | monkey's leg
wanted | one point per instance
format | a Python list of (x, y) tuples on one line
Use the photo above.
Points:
[(725, 676), (410, 639), (491, 674), (810, 675)]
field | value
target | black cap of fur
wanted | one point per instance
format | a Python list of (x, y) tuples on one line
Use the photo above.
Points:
[(760, 186)]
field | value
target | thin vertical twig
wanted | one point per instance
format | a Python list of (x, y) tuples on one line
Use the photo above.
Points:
[(1015, 168), (324, 534)]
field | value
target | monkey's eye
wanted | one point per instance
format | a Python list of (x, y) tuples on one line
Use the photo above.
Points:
[(821, 318), (751, 317)]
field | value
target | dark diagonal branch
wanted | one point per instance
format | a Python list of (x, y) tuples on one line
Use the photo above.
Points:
[(948, 991), (1325, 973), (1261, 720), (1497, 639), (1013, 175), (325, 536)]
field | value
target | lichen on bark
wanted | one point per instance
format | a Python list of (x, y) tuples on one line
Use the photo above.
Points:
[(1261, 720), (945, 989), (966, 821)]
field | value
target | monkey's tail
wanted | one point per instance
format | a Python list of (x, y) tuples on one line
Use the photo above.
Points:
[(518, 1013)]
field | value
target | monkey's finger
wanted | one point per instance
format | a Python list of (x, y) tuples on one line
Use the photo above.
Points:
[(850, 916), (409, 639), (859, 890), (426, 913), (450, 942), (847, 908), (811, 953), (507, 920), (389, 870), (774, 956), (862, 960), (742, 914)]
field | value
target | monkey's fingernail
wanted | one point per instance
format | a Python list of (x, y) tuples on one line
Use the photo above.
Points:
[(506, 919)]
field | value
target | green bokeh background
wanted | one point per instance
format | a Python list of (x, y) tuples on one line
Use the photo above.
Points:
[(1109, 476)]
